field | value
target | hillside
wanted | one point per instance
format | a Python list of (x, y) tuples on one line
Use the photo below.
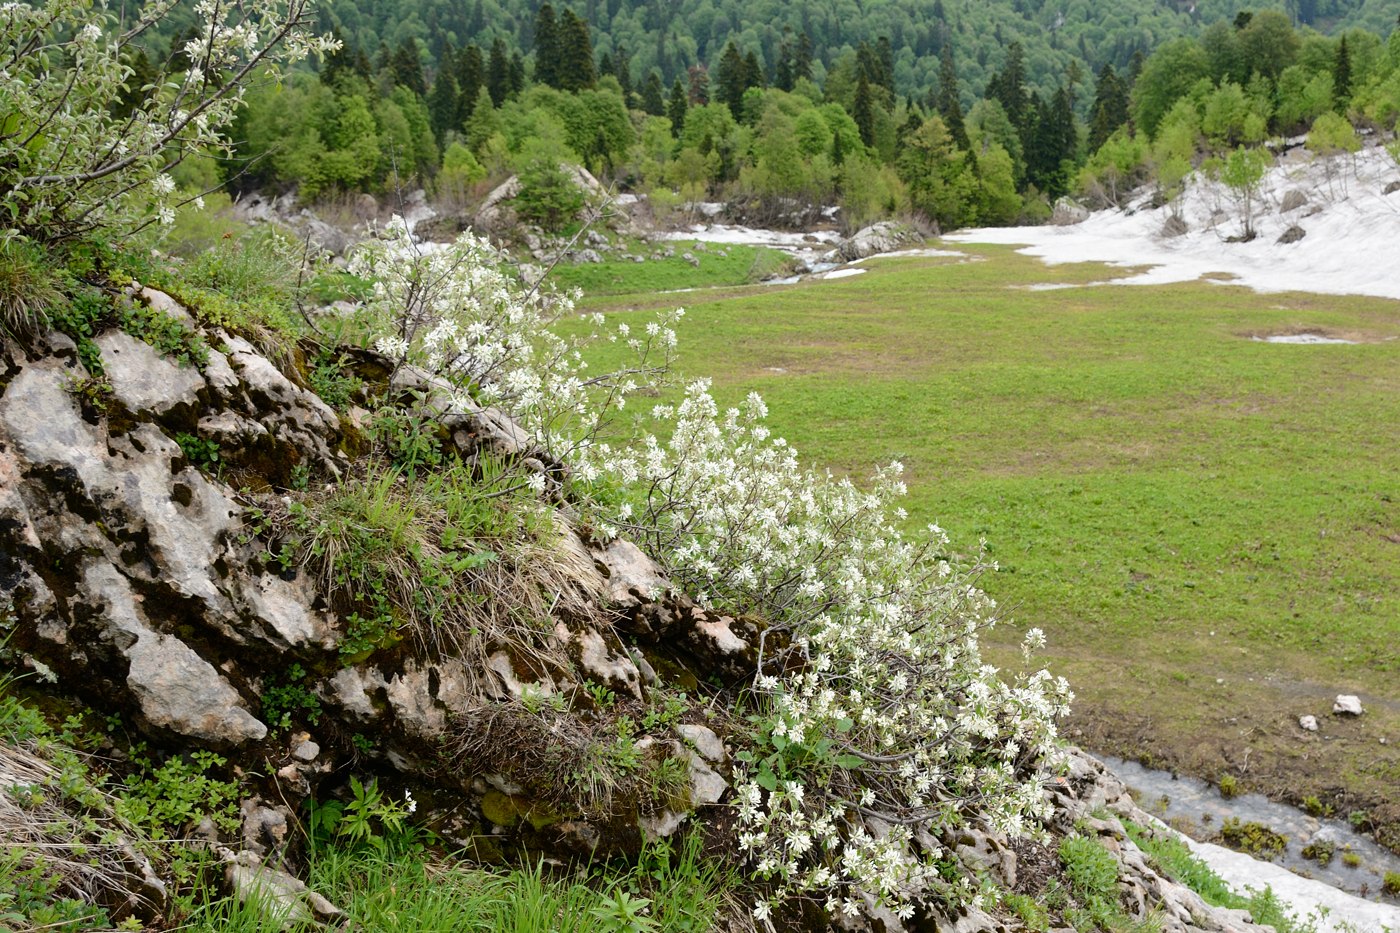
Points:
[(1058, 35)]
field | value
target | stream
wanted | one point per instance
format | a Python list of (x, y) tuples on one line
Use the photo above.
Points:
[(1197, 809)]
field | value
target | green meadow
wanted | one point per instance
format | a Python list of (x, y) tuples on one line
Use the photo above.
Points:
[(1207, 526)]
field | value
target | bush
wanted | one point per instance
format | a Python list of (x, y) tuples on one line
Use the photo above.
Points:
[(28, 289)]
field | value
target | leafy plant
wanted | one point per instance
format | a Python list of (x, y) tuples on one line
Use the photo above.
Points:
[(28, 288), (201, 452), (1253, 838), (290, 700)]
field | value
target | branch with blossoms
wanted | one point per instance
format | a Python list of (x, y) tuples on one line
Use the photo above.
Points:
[(70, 162)]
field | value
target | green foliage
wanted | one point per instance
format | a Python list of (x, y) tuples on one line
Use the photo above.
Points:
[(1390, 884), (1256, 839), (170, 799), (28, 288), (1229, 786), (548, 196), (330, 380), (369, 819), (167, 335), (289, 699), (201, 452), (1242, 172)]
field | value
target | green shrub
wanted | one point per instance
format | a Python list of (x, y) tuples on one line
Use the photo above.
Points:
[(28, 289), (1255, 839)]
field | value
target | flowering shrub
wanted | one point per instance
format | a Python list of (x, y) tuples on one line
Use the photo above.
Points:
[(876, 718), (76, 154), (884, 720), (459, 313)]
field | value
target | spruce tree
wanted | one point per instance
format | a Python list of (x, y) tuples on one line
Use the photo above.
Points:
[(1009, 87), (1110, 107), (802, 61), (576, 70), (863, 111), (1341, 76), (948, 103), (498, 72), (471, 77), (622, 70), (676, 108), (443, 103), (782, 72), (653, 99), (699, 91), (517, 73), (729, 79), (407, 67), (546, 47)]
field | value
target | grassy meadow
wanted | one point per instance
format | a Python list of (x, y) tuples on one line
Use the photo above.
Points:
[(1206, 526)]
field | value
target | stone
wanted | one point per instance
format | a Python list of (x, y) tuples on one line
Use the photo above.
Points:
[(1347, 705), (283, 899), (883, 237), (144, 381), (632, 576), (1068, 212), (584, 256), (1292, 235), (709, 745), (1391, 188), (159, 301), (690, 258), (1293, 199), (1308, 722), (264, 827), (306, 751)]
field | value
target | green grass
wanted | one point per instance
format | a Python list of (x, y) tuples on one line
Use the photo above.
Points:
[(1207, 526), (744, 265)]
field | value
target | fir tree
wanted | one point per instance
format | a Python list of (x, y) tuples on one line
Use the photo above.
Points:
[(782, 72), (676, 108), (517, 73), (471, 77), (948, 103), (442, 102), (498, 72), (406, 67), (1341, 76), (863, 111), (546, 47), (802, 60), (1009, 87), (753, 72), (653, 99), (622, 70), (576, 70), (1110, 107), (729, 79)]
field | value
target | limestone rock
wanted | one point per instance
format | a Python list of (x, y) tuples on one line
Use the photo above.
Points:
[(1068, 212), (1308, 722), (144, 382), (883, 237), (1293, 199), (1391, 188), (1347, 705), (282, 898), (1292, 235)]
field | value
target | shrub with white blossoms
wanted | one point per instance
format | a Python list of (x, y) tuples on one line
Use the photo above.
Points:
[(73, 158), (460, 312), (879, 719)]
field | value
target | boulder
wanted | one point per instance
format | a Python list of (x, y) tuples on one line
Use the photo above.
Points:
[(1308, 723), (883, 237), (1347, 705), (1391, 188), (1292, 235), (1293, 199), (1068, 212)]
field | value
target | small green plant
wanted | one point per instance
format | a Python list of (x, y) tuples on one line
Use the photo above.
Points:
[(1359, 819), (663, 710), (201, 452), (1315, 807), (1034, 917), (1351, 859), (290, 700), (369, 818), (602, 696), (170, 799), (94, 394), (1320, 852), (28, 289), (1253, 838), (167, 335), (329, 380), (624, 914), (1229, 786), (1390, 883)]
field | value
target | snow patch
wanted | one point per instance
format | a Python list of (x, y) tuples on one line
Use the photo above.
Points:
[(1350, 248), (844, 273), (1300, 338)]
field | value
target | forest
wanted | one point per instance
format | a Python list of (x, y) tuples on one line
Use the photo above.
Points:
[(779, 133)]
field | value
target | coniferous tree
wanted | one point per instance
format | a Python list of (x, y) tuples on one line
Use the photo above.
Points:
[(622, 70), (782, 71), (676, 108), (442, 102), (1009, 87), (699, 92), (884, 57), (498, 72), (605, 64), (516, 73), (729, 79), (576, 70), (1341, 76), (1110, 107), (863, 111), (341, 63), (471, 77), (802, 60), (949, 103), (653, 99), (546, 47), (406, 67), (753, 72)]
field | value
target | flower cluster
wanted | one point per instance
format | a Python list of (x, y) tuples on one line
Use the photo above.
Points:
[(461, 313), (83, 151), (880, 719)]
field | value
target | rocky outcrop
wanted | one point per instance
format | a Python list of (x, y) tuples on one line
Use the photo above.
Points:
[(883, 237), (1068, 212)]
